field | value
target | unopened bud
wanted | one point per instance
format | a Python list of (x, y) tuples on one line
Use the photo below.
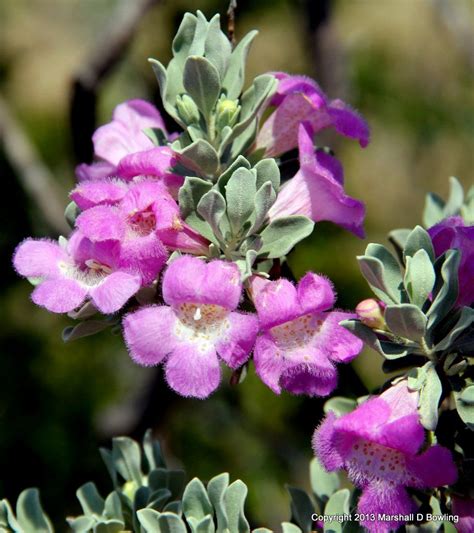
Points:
[(227, 112), (187, 109), (370, 312)]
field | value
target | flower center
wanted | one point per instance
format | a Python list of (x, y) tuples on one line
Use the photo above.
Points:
[(202, 324), (143, 222), (296, 333), (91, 273), (372, 461)]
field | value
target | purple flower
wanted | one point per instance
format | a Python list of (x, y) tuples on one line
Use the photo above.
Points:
[(81, 270), (301, 341), (453, 232), (198, 325), (378, 445), (299, 98), (317, 190), (144, 219), (464, 508), (124, 150)]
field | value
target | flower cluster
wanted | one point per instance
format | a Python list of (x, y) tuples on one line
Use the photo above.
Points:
[(191, 199)]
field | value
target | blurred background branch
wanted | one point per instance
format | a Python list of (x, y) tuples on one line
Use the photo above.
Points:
[(105, 54)]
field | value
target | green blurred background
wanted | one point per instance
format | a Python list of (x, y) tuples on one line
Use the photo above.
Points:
[(407, 65)]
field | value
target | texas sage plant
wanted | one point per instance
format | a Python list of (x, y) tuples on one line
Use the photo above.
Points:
[(180, 239)]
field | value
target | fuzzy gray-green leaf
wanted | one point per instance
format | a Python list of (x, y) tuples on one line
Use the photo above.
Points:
[(301, 508), (323, 483), (430, 395), (234, 501), (338, 504), (282, 234), (30, 514), (202, 83), (406, 320), (196, 503), (419, 277), (235, 75), (240, 196)]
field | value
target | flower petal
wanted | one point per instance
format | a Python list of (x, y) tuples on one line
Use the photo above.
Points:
[(96, 171), (276, 303), (341, 345), (315, 293), (149, 334), (268, 365), (310, 379), (101, 192), (380, 498), (433, 468), (102, 223), (38, 258), (59, 295), (114, 292), (236, 347), (191, 372), (324, 444)]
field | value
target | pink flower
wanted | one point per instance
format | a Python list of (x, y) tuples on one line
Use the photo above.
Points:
[(144, 218), (198, 325), (124, 150), (301, 340), (299, 98), (453, 232), (81, 270), (317, 190), (378, 445)]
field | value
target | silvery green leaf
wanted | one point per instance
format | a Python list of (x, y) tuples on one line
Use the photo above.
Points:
[(445, 291), (152, 450), (217, 47), (196, 503), (216, 489), (417, 377), (267, 170), (84, 329), (234, 501), (170, 86), (154, 522), (86, 311), (205, 525), (234, 79), (212, 208), (467, 210), (433, 210), (240, 162), (29, 513), (200, 34), (406, 320), (339, 405), (109, 526), (465, 405), (398, 238), (201, 81), (162, 478), (200, 157), (243, 142), (240, 196), (389, 350), (81, 524), (282, 234), (113, 506), (90, 499), (455, 199), (190, 193), (419, 277), (71, 212), (188, 111), (323, 483), (301, 509), (466, 318), (7, 517), (127, 459), (382, 272), (430, 395), (157, 136), (158, 499), (109, 463), (287, 527), (175, 507), (184, 38), (418, 239), (338, 504), (265, 530), (264, 199)]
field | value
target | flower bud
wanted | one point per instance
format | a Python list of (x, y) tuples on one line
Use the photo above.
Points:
[(370, 312), (187, 109), (227, 112)]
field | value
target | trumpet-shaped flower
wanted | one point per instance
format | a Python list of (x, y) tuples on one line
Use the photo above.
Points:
[(198, 325), (317, 190), (299, 99), (83, 269), (301, 340), (124, 150), (453, 232), (378, 445), (143, 220)]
